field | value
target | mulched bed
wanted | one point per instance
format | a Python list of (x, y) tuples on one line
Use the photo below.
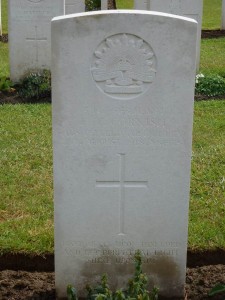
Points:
[(22, 285), (13, 98), (18, 282), (212, 34)]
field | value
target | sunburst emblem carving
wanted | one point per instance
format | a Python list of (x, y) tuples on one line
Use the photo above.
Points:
[(124, 66)]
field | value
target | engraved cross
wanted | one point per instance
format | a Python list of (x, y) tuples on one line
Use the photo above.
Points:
[(122, 184), (36, 39)]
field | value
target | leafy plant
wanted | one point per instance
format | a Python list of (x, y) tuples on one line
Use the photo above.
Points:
[(92, 4), (5, 84), (35, 85), (219, 288), (137, 287), (209, 85), (71, 293)]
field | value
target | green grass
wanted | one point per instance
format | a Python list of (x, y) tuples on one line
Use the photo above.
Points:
[(124, 4), (26, 206), (212, 14), (4, 16), (4, 60), (213, 56), (207, 210)]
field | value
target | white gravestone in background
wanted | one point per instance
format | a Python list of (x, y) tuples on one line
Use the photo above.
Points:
[(123, 90), (74, 6), (187, 8), (223, 14), (104, 4), (30, 34), (141, 4)]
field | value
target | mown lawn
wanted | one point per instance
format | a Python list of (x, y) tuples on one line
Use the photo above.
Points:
[(5, 16), (207, 207), (26, 206), (4, 60), (213, 56), (212, 14)]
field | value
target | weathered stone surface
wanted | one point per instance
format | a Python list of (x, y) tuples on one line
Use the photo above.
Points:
[(142, 4), (123, 90), (74, 6), (223, 14), (30, 34), (104, 4)]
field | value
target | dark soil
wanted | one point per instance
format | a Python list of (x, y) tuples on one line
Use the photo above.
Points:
[(212, 34), (22, 285), (111, 4), (4, 38), (205, 270), (13, 98)]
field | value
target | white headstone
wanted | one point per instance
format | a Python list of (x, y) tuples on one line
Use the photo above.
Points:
[(123, 90), (141, 4), (30, 34), (74, 6), (223, 14), (104, 4), (187, 8)]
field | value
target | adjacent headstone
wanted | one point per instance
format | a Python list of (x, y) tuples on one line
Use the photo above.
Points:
[(187, 8), (141, 4), (123, 90), (30, 35), (104, 4), (74, 6), (223, 14)]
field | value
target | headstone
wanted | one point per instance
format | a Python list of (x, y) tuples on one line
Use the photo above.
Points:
[(30, 35), (141, 4), (104, 4), (74, 6), (123, 90), (223, 14), (187, 8)]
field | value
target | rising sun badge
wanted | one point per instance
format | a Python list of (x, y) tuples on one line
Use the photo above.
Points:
[(124, 66)]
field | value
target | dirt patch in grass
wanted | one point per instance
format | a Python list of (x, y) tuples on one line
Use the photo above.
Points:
[(205, 269)]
